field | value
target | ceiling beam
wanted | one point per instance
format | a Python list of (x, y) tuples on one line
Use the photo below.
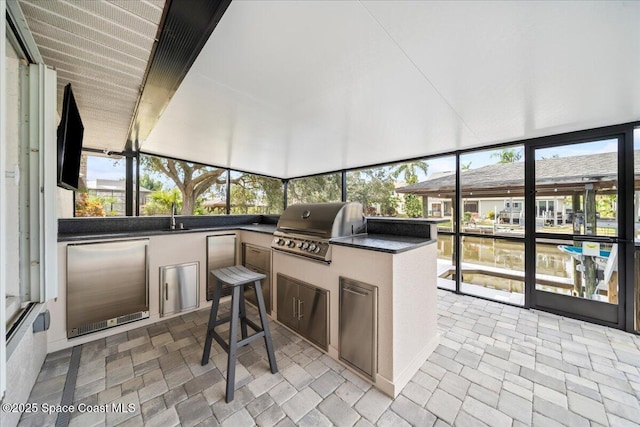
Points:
[(183, 31)]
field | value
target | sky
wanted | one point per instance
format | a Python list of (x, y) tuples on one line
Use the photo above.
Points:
[(105, 168)]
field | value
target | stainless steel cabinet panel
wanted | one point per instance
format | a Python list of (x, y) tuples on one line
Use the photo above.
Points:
[(287, 304), (357, 329), (258, 259), (265, 284), (107, 285), (312, 314), (221, 252), (303, 308), (179, 288)]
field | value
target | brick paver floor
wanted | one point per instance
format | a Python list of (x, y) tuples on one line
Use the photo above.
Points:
[(496, 365)]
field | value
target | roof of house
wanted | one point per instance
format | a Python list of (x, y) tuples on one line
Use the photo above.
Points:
[(564, 175)]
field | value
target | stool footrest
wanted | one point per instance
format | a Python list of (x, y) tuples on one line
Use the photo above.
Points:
[(220, 340), (241, 343), (250, 339), (223, 321), (253, 325)]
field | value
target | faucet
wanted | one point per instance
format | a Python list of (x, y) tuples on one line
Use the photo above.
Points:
[(172, 225)]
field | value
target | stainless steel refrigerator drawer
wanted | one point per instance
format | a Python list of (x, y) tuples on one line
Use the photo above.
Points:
[(107, 285)]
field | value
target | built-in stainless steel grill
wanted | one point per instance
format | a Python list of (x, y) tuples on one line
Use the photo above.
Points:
[(306, 228)]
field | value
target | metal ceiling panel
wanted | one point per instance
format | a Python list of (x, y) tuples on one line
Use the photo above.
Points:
[(102, 48), (288, 88), (56, 24), (99, 57), (144, 9), (129, 27), (185, 30), (73, 41)]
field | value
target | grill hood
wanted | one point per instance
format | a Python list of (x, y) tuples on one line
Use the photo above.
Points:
[(323, 220)]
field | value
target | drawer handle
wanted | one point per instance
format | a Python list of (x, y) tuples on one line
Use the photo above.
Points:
[(166, 291), (351, 291)]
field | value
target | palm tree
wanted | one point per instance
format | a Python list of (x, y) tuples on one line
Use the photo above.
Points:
[(508, 155), (410, 170)]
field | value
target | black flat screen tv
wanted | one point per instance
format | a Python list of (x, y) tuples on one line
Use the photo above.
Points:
[(70, 133)]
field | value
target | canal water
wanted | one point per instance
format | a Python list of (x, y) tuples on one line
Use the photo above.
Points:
[(499, 264)]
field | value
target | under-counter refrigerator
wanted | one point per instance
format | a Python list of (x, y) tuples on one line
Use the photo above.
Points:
[(221, 252)]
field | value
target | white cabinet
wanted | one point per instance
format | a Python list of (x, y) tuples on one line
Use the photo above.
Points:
[(179, 288)]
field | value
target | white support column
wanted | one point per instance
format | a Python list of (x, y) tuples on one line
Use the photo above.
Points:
[(3, 207), (42, 170)]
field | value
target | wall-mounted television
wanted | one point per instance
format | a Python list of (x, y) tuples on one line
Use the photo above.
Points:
[(70, 133)]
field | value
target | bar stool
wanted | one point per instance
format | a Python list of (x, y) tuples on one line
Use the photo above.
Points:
[(236, 277)]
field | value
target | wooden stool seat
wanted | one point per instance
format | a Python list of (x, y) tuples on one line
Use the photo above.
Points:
[(237, 277)]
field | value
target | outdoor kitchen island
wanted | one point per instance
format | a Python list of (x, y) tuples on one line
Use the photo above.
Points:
[(396, 257)]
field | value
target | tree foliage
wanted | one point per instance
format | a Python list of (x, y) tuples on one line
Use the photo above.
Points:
[(508, 155), (375, 189), (161, 201), (254, 194), (315, 189), (191, 179), (147, 181), (88, 205), (413, 203), (409, 170)]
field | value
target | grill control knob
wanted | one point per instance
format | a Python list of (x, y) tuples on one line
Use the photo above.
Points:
[(299, 245), (312, 247), (305, 246), (277, 241), (317, 249), (290, 243)]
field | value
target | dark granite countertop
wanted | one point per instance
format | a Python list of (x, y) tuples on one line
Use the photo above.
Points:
[(74, 237), (383, 242), (389, 235)]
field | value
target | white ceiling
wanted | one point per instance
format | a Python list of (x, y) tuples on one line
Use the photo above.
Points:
[(289, 88), (102, 48)]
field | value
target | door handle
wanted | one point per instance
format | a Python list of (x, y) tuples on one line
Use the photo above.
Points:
[(351, 291), (166, 291), (300, 302)]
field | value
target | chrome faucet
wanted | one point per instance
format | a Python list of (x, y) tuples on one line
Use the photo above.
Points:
[(172, 225)]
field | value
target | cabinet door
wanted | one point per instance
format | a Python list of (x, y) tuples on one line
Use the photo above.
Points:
[(250, 295), (287, 302), (257, 257), (357, 327), (312, 314), (178, 288)]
